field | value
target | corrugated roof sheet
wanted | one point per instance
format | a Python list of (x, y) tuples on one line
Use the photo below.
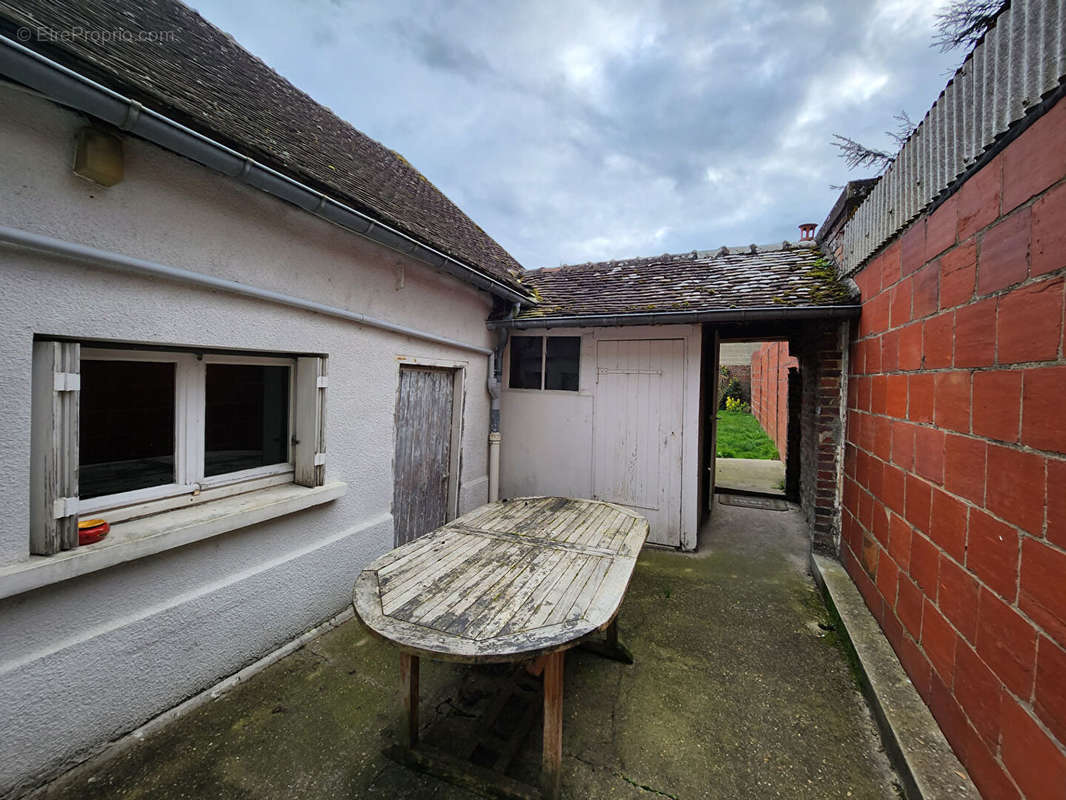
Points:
[(1019, 61), (783, 276), (202, 78)]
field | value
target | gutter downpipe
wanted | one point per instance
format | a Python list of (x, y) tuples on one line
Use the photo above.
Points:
[(681, 317), (67, 87), (35, 242), (495, 382)]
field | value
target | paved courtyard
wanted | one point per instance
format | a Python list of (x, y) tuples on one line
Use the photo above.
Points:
[(738, 691), (750, 474)]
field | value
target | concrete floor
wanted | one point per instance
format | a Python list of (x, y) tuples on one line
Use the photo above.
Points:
[(750, 474), (737, 692)]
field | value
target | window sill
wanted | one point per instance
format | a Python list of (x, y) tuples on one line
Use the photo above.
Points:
[(138, 538)]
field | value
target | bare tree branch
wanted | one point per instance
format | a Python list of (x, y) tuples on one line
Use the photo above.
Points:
[(964, 22), (905, 126), (856, 154)]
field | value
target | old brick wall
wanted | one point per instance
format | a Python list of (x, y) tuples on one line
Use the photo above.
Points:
[(954, 504), (769, 391), (820, 351)]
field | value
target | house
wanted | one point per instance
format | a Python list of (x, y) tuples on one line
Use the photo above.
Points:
[(272, 327), (244, 334), (622, 354)]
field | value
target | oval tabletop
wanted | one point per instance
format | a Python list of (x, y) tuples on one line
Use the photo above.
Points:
[(508, 580)]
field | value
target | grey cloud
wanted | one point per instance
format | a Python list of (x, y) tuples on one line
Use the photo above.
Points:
[(572, 131)]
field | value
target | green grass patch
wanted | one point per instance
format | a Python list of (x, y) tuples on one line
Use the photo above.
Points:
[(741, 436)]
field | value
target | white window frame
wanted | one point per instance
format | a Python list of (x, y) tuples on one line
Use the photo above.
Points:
[(189, 410), (56, 506)]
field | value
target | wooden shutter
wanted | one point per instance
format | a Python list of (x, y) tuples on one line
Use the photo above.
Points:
[(56, 393), (309, 438)]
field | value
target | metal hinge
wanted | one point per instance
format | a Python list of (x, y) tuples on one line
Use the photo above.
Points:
[(66, 381), (64, 507)]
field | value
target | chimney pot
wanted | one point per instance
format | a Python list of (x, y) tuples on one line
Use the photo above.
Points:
[(807, 231)]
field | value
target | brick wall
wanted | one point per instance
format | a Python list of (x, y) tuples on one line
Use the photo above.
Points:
[(954, 495), (822, 358), (769, 391)]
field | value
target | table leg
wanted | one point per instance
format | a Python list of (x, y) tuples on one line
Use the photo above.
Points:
[(612, 633), (609, 647), (409, 684), (552, 763)]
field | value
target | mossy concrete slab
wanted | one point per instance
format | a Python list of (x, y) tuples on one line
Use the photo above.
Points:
[(925, 761), (750, 474), (738, 691)]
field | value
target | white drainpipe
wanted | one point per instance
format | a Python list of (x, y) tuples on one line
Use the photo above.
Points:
[(495, 382)]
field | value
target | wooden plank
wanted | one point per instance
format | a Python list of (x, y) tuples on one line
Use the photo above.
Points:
[(437, 581), (481, 780), (422, 463), (495, 574), (414, 581), (409, 687), (591, 590), (490, 574), (494, 616), (470, 578), (512, 514), (590, 537), (563, 522), (613, 539), (595, 520), (491, 595), (552, 759), (565, 604), (561, 610), (54, 447), (382, 563), (539, 615), (534, 541), (605, 605), (563, 572), (309, 422), (461, 618)]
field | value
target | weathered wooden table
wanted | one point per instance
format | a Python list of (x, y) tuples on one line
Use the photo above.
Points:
[(509, 581)]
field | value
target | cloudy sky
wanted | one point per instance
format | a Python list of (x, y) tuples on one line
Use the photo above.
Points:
[(575, 131)]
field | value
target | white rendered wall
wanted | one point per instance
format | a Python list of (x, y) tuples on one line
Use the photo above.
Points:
[(88, 659), (547, 435)]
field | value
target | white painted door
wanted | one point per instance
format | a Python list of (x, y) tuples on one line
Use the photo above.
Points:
[(637, 430)]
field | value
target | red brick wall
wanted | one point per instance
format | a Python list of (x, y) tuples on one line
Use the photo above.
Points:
[(769, 391), (954, 505)]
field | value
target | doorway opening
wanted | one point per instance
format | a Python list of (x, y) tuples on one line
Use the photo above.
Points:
[(754, 394)]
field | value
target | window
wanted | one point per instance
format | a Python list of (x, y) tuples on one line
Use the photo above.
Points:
[(122, 432), (545, 362)]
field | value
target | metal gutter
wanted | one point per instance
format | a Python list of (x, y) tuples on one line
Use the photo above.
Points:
[(67, 87), (682, 317), (116, 261)]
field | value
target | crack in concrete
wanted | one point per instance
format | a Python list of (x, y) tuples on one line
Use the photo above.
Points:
[(632, 782), (626, 778)]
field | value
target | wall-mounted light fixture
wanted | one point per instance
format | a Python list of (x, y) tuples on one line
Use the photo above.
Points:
[(98, 156)]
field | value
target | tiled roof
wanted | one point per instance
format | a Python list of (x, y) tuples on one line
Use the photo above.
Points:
[(202, 78), (774, 276)]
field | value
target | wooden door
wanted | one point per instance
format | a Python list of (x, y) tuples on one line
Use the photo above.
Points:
[(424, 425), (637, 428)]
